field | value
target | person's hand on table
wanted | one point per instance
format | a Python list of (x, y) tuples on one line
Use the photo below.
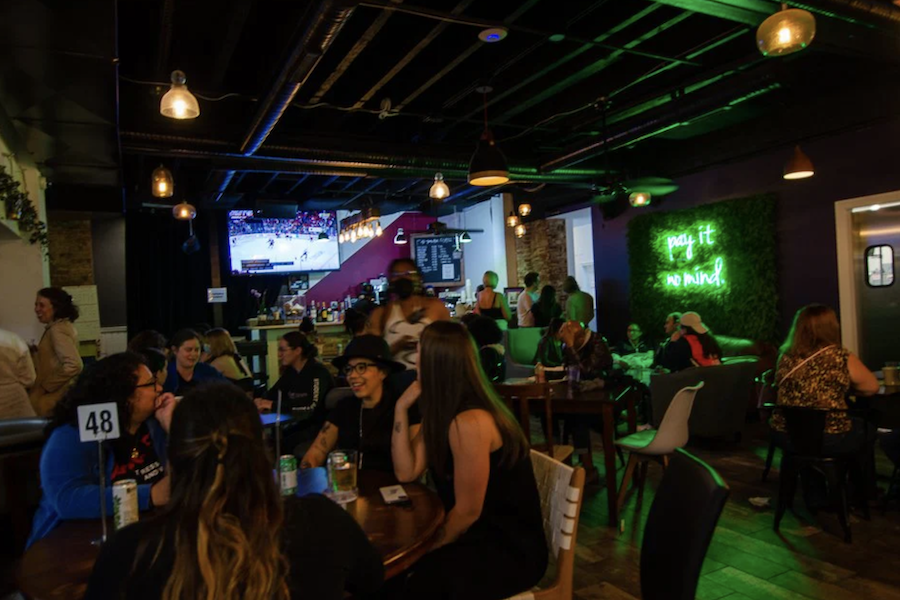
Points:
[(165, 404), (262, 404), (160, 491), (410, 396)]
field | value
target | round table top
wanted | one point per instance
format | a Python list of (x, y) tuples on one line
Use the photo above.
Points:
[(58, 566)]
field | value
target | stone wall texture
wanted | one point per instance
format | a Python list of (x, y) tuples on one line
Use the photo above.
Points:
[(543, 249), (71, 255)]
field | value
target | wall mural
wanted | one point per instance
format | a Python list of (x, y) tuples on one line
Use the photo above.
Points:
[(717, 259)]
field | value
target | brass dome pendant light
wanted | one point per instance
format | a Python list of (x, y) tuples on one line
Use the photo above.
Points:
[(785, 32)]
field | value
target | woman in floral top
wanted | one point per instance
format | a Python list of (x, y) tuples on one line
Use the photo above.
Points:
[(815, 371)]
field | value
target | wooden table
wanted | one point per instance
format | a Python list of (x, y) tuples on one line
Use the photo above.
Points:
[(608, 403), (58, 566)]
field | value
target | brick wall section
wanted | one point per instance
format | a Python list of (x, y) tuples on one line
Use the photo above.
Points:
[(543, 249), (71, 257)]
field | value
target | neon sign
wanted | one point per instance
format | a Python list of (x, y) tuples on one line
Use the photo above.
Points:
[(683, 248)]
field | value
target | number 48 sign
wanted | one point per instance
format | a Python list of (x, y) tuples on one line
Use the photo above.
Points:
[(98, 422)]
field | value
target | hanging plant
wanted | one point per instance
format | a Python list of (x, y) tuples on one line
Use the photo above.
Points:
[(20, 208)]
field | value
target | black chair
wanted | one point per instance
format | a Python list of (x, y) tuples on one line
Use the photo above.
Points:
[(21, 442), (679, 528), (255, 349), (805, 449)]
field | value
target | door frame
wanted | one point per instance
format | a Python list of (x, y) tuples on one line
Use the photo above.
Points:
[(847, 281)]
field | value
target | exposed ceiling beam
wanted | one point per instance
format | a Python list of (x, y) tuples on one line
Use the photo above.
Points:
[(414, 52), (240, 10), (746, 12), (299, 182)]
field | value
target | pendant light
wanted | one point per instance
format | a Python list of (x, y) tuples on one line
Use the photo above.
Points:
[(799, 166), (785, 32), (184, 211), (162, 184), (488, 165), (439, 190), (520, 230), (179, 102), (524, 209), (400, 238), (639, 199), (512, 220)]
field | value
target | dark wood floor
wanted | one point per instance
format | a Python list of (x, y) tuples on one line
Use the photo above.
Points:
[(746, 558)]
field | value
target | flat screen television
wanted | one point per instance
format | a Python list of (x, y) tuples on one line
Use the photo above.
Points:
[(260, 246)]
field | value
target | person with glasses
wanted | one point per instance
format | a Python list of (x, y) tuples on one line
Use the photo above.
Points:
[(69, 479), (633, 342), (303, 385), (401, 321), (363, 421)]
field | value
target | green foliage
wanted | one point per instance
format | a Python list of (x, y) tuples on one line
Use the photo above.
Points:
[(743, 302), (19, 207)]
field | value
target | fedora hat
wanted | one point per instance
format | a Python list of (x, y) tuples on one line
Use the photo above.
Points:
[(372, 347)]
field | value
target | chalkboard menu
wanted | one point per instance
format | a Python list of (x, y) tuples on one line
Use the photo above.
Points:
[(439, 258)]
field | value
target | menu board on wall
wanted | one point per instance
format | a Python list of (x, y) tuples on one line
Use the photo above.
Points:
[(439, 258), (88, 323)]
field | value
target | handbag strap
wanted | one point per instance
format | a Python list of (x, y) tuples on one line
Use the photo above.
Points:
[(806, 360)]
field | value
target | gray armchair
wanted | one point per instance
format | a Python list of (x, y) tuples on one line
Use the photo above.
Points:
[(720, 407)]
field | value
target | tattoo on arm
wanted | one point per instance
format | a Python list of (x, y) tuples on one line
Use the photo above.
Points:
[(323, 442), (397, 427)]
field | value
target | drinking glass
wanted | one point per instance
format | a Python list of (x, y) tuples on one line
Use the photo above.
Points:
[(341, 467)]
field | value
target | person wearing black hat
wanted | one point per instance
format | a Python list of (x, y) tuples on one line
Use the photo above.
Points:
[(364, 421), (303, 385)]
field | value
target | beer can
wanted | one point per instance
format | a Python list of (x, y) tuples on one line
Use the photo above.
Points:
[(288, 465), (125, 503)]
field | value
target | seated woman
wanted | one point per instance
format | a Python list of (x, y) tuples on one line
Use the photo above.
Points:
[(303, 385), (549, 351), (69, 478), (224, 358), (362, 422), (546, 309), (814, 370), (489, 339), (490, 303), (355, 322), (185, 368), (705, 351), (226, 533), (492, 543)]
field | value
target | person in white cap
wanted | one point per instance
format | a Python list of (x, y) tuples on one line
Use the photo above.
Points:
[(705, 351)]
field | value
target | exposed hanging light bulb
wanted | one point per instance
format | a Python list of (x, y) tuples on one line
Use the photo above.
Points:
[(525, 209), (162, 185), (179, 102), (520, 230), (785, 32), (400, 238), (184, 211), (512, 220), (439, 189)]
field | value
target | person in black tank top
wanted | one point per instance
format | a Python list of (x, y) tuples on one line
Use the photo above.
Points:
[(490, 303), (491, 544)]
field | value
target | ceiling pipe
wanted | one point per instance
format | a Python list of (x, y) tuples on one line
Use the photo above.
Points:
[(868, 12), (668, 116)]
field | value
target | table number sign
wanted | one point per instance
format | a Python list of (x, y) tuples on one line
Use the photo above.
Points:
[(98, 422)]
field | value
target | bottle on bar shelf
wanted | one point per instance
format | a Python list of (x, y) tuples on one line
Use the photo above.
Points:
[(312, 312)]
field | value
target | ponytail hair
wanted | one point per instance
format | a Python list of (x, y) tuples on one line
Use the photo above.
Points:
[(63, 305), (225, 514)]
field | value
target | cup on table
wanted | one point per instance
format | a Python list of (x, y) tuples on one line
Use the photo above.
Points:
[(342, 467), (891, 375)]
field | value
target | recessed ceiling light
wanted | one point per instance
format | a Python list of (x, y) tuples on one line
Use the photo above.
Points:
[(492, 34)]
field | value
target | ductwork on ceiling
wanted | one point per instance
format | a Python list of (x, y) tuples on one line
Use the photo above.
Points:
[(310, 47)]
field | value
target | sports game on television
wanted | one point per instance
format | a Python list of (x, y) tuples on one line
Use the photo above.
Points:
[(258, 246)]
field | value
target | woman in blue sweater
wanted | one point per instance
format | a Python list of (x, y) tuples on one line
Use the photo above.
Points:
[(70, 478), (185, 368)]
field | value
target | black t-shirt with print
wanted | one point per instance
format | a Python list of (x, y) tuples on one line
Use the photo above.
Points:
[(134, 457)]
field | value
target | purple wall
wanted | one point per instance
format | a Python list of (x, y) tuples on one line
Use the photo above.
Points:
[(847, 166), (370, 261)]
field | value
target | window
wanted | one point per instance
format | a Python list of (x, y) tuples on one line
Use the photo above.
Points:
[(879, 266)]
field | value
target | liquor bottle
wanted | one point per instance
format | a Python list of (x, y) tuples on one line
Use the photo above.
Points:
[(331, 312), (312, 312)]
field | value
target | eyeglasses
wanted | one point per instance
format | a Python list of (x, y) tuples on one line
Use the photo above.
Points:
[(151, 383), (358, 368)]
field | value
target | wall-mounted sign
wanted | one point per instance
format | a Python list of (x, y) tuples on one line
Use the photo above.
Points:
[(216, 295), (693, 258)]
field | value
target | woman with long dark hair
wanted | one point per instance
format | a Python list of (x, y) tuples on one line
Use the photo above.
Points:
[(491, 544), (56, 358), (69, 478), (226, 534), (705, 351), (185, 368), (546, 309), (303, 385)]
